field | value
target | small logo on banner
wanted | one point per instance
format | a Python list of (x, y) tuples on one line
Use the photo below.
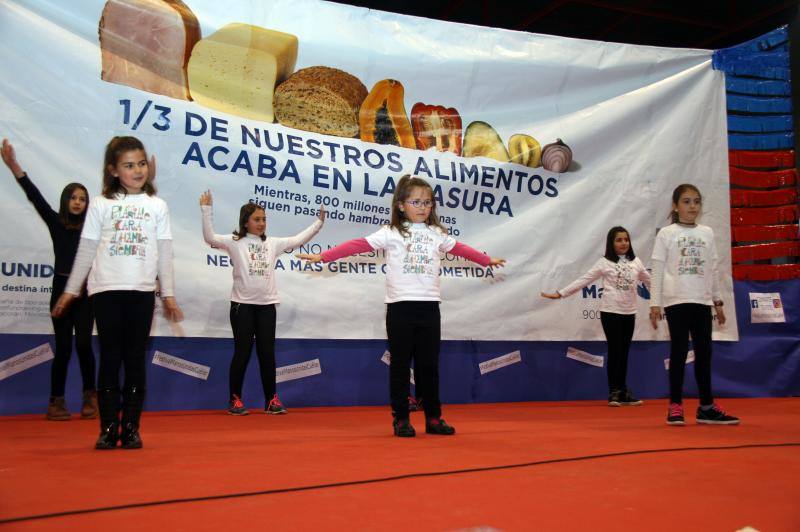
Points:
[(298, 371), (586, 358), (26, 360), (387, 359), (766, 308), (499, 362), (689, 359), (180, 365)]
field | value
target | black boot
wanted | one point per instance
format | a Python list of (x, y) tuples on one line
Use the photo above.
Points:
[(108, 404), (132, 402)]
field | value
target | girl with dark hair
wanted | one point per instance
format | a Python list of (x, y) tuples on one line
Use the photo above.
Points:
[(414, 241), (686, 284), (620, 269), (65, 231), (254, 294), (125, 244)]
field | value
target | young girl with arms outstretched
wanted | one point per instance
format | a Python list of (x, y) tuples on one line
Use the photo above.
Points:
[(65, 231), (686, 285), (254, 295), (125, 244), (413, 242), (620, 269)]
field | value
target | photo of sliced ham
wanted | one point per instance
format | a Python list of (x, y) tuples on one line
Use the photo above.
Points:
[(146, 44)]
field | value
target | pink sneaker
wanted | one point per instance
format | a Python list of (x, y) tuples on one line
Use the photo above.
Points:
[(675, 415), (275, 406)]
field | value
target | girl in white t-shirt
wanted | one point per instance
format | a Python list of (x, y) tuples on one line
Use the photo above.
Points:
[(125, 244), (620, 269), (414, 242), (254, 295), (686, 284)]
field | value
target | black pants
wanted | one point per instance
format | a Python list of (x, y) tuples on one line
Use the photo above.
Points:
[(248, 322), (123, 319), (682, 320), (619, 332), (79, 318), (414, 332)]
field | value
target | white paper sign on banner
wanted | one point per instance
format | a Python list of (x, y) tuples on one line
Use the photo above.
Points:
[(586, 358), (28, 359), (499, 362), (298, 371), (689, 359), (766, 307), (387, 359), (187, 367)]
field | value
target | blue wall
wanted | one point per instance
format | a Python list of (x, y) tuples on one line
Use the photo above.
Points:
[(765, 362)]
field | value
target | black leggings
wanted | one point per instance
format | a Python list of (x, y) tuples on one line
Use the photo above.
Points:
[(414, 332), (682, 320), (80, 319), (123, 319), (619, 332), (248, 322)]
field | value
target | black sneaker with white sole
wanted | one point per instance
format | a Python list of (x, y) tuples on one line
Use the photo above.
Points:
[(627, 399), (715, 416)]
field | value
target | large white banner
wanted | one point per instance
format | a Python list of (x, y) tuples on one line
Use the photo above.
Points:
[(637, 120)]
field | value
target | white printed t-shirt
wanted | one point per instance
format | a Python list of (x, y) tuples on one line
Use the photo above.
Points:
[(690, 266), (127, 228), (412, 262), (254, 259), (619, 283)]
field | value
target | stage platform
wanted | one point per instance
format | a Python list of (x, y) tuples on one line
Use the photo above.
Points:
[(511, 466)]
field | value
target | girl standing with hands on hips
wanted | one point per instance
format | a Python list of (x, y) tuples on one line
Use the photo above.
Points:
[(686, 284), (125, 244), (413, 241), (65, 231), (619, 268), (254, 294)]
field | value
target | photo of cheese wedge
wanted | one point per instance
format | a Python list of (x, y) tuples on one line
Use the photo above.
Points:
[(236, 69)]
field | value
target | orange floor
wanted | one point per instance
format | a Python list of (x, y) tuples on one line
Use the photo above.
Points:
[(512, 466)]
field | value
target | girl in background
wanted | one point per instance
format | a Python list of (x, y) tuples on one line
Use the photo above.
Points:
[(125, 244), (620, 269), (254, 294), (65, 230), (686, 285), (413, 241)]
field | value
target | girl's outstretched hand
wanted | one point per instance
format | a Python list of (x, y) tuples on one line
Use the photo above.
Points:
[(310, 257), (655, 316), (10, 158), (554, 295), (60, 308), (322, 213), (171, 309), (497, 262), (206, 199)]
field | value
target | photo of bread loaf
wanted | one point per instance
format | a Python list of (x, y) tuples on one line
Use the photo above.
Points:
[(236, 69), (320, 99), (146, 44)]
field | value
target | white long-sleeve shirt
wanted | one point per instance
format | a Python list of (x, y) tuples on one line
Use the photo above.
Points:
[(254, 259), (685, 266), (619, 283)]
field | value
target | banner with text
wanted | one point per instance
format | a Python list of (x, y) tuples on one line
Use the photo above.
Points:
[(534, 146)]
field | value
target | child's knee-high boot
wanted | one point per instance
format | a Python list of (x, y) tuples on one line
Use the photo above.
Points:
[(108, 403), (132, 402)]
